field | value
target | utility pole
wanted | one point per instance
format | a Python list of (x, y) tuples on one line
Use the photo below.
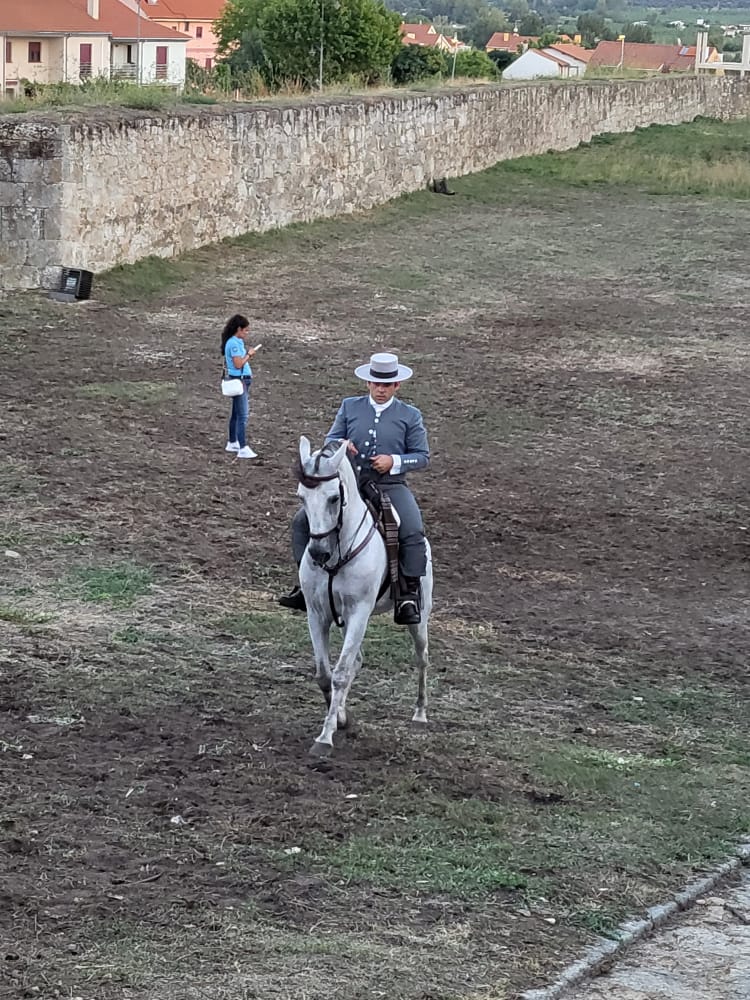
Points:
[(138, 43), (320, 65)]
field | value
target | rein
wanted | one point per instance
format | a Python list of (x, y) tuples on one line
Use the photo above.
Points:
[(311, 482)]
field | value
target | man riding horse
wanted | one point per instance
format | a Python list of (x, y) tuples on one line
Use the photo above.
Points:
[(387, 439)]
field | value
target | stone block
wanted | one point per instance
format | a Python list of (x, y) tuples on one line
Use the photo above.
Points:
[(12, 195), (29, 171), (42, 253), (21, 222)]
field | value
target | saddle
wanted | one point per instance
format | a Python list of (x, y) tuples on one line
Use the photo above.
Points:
[(386, 522)]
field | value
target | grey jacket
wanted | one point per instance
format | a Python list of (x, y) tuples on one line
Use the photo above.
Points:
[(398, 431)]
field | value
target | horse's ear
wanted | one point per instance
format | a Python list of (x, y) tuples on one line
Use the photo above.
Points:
[(304, 449), (339, 455)]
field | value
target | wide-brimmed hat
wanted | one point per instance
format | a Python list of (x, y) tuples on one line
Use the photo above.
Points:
[(383, 368)]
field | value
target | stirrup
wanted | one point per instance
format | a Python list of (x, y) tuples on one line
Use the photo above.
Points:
[(407, 611), (295, 600)]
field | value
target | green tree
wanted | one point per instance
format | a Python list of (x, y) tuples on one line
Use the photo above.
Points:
[(475, 65), (547, 38), (415, 62), (502, 59), (238, 39), (480, 29), (282, 38), (531, 24), (637, 33), (594, 28), (716, 38)]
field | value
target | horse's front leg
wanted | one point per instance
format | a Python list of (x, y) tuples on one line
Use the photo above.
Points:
[(343, 674), (319, 627)]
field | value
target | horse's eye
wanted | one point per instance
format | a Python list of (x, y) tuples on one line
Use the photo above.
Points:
[(333, 501)]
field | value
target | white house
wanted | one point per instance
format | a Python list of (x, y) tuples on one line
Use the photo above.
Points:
[(561, 61), (73, 40)]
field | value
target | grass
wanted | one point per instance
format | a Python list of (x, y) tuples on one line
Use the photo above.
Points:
[(18, 616), (145, 393), (464, 852), (287, 635), (147, 277), (119, 585), (94, 93), (707, 158), (100, 92)]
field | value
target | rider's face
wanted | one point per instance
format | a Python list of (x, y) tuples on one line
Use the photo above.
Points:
[(381, 392)]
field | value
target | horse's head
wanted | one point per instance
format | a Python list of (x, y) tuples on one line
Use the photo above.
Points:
[(322, 491)]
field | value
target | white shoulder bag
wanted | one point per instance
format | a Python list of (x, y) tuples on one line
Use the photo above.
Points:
[(230, 386)]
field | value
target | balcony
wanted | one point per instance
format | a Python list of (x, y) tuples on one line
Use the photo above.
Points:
[(126, 71), (84, 71)]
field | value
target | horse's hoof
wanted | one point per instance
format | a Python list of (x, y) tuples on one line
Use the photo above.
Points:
[(320, 749), (419, 720)]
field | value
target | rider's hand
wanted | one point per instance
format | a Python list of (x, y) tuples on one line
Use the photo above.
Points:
[(352, 448), (382, 463)]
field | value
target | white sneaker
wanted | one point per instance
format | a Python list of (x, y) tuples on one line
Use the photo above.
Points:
[(232, 446), (246, 452)]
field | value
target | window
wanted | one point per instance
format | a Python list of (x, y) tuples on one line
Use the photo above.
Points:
[(8, 51), (187, 25), (161, 62), (129, 57), (209, 63), (35, 52), (199, 31), (84, 69)]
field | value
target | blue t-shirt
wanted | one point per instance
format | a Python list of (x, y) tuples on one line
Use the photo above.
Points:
[(235, 348)]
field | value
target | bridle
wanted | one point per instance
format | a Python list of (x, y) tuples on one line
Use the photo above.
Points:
[(311, 483)]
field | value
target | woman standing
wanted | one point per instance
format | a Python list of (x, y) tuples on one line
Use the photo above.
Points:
[(236, 360)]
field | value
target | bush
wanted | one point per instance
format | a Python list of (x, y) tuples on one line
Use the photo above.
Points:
[(414, 62), (475, 65), (501, 58)]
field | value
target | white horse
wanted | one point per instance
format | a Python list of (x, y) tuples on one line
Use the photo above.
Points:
[(342, 575)]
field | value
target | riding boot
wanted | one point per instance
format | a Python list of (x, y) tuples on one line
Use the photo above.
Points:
[(407, 605), (295, 599)]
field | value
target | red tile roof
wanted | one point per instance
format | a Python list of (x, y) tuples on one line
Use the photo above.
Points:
[(420, 34), (38, 17), (184, 10), (574, 51), (509, 41), (640, 55)]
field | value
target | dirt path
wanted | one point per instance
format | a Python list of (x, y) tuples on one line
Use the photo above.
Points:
[(706, 956)]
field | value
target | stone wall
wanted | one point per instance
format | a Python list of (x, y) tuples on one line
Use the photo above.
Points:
[(103, 189)]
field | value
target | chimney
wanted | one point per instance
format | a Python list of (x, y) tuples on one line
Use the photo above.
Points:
[(92, 9)]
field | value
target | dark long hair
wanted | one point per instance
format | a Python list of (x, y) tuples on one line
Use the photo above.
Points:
[(237, 322)]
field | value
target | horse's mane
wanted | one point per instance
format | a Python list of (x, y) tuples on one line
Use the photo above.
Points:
[(310, 474)]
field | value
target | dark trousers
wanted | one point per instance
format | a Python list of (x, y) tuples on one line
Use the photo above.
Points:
[(412, 554)]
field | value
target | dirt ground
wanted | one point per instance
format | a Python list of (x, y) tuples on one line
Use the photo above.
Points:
[(582, 363)]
